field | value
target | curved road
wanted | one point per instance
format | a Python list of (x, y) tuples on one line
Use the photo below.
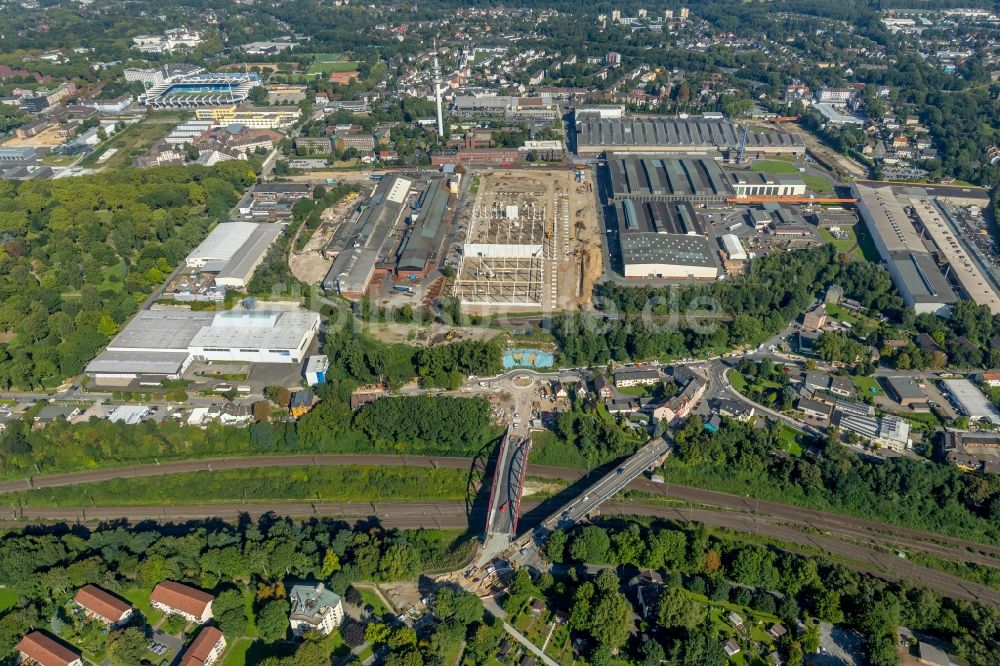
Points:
[(452, 514), (772, 513)]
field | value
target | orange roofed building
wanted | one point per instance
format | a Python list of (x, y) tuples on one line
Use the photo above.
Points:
[(38, 649)]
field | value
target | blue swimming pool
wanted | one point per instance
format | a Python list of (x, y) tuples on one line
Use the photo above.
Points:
[(527, 358)]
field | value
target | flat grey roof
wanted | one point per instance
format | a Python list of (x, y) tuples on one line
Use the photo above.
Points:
[(255, 330), (244, 262), (906, 388), (221, 244), (971, 400), (674, 134), (673, 249), (922, 278), (425, 234), (138, 362), (161, 330)]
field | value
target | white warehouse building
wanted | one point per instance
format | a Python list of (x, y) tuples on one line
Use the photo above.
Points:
[(160, 344), (233, 251)]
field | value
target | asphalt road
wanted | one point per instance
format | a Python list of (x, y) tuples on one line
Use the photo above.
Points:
[(452, 515), (774, 513)]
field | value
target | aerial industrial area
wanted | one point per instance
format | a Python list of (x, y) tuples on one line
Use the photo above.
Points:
[(499, 335)]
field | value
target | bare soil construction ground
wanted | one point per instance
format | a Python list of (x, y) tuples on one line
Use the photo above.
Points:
[(309, 265)]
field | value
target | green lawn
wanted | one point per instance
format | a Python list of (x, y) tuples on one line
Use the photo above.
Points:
[(773, 166), (8, 597), (139, 597), (849, 244), (789, 439), (817, 184), (236, 652), (737, 380), (841, 314), (130, 143), (867, 386), (369, 597), (326, 63), (867, 245), (474, 186)]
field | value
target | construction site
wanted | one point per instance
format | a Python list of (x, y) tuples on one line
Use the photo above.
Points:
[(532, 241)]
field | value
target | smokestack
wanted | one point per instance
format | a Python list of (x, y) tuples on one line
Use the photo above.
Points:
[(437, 92)]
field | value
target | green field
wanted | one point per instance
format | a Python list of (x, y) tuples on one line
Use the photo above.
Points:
[(867, 245), (8, 598), (773, 166), (841, 314), (128, 144), (325, 63), (849, 244), (790, 440), (817, 184), (867, 386), (548, 449), (261, 485)]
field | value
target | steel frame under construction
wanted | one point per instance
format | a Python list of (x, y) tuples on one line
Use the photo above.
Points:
[(502, 260)]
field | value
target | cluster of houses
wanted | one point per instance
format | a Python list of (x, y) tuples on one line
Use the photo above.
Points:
[(313, 608), (832, 399), (647, 588), (669, 411)]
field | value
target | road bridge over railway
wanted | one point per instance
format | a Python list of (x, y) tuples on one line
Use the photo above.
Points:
[(504, 545), (507, 486)]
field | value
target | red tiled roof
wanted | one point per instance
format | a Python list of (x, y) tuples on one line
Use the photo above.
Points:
[(182, 597), (101, 603), (201, 647), (46, 650)]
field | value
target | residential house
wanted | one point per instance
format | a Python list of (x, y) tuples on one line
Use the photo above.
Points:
[(602, 387), (842, 386), (777, 631), (40, 649), (50, 413), (735, 410), (559, 390), (234, 414), (680, 406), (301, 403), (648, 590), (537, 607), (179, 599), (314, 608), (626, 377), (100, 605), (735, 619), (990, 377), (814, 319), (816, 381), (815, 409), (731, 647), (205, 649)]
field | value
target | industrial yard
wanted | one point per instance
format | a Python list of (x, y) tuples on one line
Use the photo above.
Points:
[(532, 241)]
